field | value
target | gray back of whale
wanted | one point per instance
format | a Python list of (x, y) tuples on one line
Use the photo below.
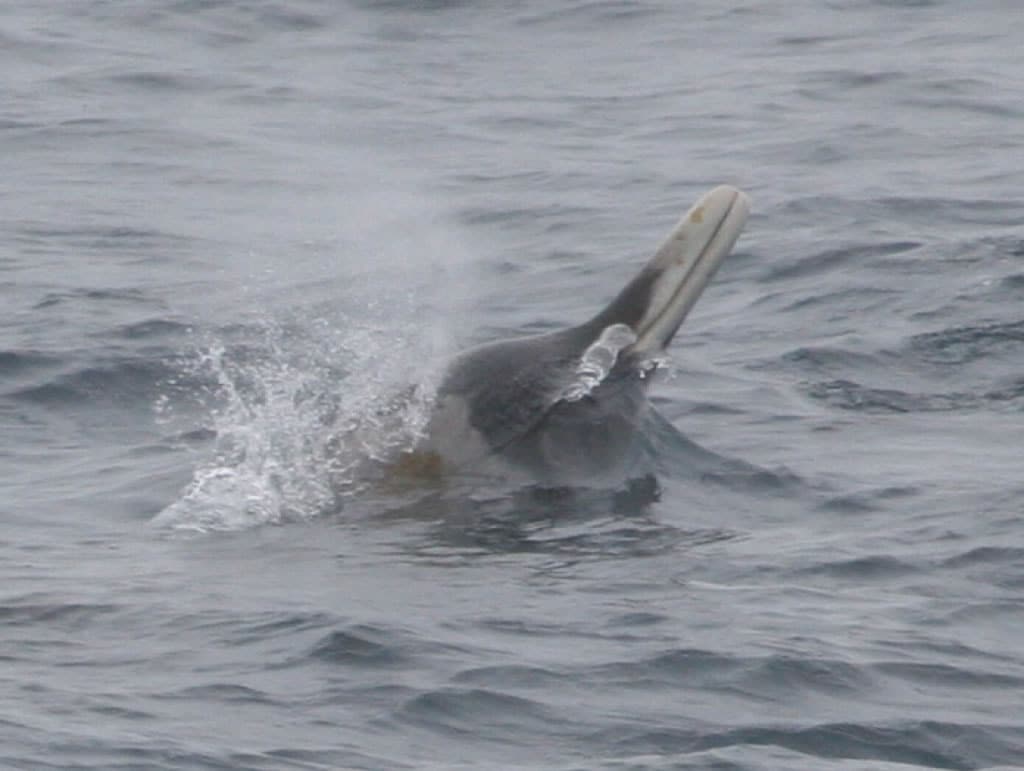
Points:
[(520, 403)]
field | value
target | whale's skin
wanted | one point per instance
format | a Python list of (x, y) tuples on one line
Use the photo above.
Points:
[(526, 403)]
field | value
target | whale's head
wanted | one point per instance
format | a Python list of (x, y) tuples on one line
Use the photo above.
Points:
[(571, 403)]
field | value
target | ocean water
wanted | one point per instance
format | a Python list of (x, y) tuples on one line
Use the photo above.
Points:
[(232, 234)]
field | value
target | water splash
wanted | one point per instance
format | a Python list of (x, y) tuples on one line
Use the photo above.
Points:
[(599, 359), (337, 371), (296, 432)]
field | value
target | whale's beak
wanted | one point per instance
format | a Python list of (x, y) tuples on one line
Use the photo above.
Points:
[(658, 300), (686, 261)]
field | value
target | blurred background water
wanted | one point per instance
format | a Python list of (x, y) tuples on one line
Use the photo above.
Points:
[(229, 231)]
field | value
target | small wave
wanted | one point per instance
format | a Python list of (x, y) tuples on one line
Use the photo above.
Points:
[(285, 17), (1014, 282), (801, 41), (833, 259), (157, 81), (986, 555), (828, 359), (127, 296), (66, 616), (929, 744), (100, 237), (413, 6), (848, 395), (152, 328), (222, 693), (513, 676), (568, 523), (125, 380), (850, 299), (923, 211), (597, 13), (362, 646), (928, 354), (846, 79), (864, 501), (962, 345), (870, 568), (763, 677), (18, 362), (271, 625), (690, 666), (481, 712), (946, 675)]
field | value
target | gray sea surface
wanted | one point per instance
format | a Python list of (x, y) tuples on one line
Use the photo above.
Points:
[(231, 232)]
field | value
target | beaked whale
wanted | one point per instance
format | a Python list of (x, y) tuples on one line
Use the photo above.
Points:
[(566, 406)]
